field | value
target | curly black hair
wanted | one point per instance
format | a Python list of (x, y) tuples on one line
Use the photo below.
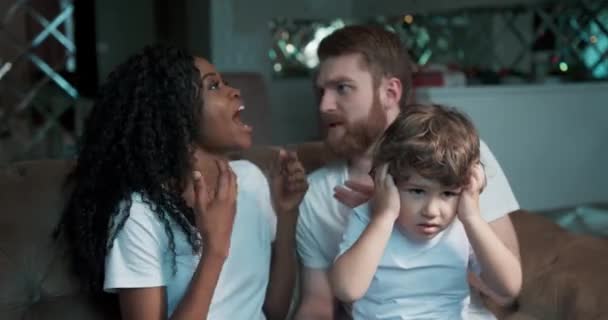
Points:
[(137, 139)]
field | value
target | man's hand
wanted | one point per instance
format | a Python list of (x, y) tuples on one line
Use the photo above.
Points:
[(354, 192)]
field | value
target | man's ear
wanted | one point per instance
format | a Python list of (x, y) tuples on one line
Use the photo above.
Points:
[(391, 92)]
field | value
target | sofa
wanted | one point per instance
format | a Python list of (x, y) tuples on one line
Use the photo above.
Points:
[(35, 278), (565, 273)]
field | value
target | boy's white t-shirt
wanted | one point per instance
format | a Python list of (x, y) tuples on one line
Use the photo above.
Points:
[(140, 256), (415, 280), (322, 218)]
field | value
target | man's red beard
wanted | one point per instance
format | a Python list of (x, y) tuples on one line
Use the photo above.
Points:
[(360, 135)]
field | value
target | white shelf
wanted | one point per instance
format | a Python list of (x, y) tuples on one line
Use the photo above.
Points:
[(535, 89), (551, 140)]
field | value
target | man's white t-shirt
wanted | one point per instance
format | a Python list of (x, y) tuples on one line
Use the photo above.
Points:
[(415, 279), (140, 256), (323, 219)]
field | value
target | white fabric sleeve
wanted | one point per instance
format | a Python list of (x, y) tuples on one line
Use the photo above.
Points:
[(136, 257), (307, 245), (264, 198), (497, 199), (357, 222)]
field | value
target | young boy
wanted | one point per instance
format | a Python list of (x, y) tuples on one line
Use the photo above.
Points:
[(407, 254)]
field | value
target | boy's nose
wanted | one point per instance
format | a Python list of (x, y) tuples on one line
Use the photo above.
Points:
[(431, 210)]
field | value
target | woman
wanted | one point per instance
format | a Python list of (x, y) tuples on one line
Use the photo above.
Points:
[(155, 215)]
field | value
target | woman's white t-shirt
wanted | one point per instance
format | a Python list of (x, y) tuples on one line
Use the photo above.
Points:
[(140, 256)]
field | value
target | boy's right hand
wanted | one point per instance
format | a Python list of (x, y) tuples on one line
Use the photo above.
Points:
[(385, 202), (214, 211)]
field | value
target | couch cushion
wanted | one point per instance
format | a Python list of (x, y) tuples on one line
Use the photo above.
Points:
[(564, 274), (539, 241), (35, 281)]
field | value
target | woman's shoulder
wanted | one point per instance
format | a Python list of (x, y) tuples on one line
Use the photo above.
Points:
[(142, 227), (247, 170), (140, 206), (140, 212)]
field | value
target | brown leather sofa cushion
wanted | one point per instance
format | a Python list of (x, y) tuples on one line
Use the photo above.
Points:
[(35, 282), (565, 275)]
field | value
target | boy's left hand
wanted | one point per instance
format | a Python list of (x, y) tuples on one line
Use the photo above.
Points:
[(468, 205), (288, 182)]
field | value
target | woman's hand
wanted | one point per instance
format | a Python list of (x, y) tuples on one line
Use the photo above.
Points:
[(215, 210)]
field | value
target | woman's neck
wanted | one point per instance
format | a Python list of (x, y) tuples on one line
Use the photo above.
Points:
[(207, 164)]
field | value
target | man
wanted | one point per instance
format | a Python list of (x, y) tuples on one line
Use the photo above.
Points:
[(363, 82)]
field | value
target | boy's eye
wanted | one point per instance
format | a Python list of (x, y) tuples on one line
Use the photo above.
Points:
[(451, 193), (416, 191)]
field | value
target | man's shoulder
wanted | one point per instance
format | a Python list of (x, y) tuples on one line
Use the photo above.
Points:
[(321, 184), (484, 150), (319, 201), (329, 173)]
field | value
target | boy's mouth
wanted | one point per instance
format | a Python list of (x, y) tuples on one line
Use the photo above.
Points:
[(428, 228), (428, 224)]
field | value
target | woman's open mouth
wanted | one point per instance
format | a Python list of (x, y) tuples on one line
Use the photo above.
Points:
[(237, 119)]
